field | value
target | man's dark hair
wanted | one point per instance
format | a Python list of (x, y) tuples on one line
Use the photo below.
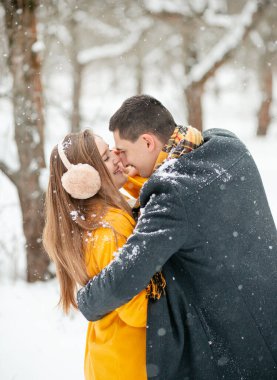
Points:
[(142, 114)]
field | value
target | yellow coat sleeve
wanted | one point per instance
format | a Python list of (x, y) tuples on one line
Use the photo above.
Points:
[(100, 249)]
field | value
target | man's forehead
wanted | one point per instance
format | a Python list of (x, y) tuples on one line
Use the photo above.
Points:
[(120, 148), (121, 144)]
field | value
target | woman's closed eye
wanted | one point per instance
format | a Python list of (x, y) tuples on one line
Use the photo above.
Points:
[(107, 155)]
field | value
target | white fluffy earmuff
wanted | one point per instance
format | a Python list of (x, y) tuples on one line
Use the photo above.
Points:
[(81, 181)]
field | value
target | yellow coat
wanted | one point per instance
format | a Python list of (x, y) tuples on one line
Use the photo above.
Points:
[(116, 344)]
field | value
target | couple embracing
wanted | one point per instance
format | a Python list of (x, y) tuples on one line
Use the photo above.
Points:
[(183, 285)]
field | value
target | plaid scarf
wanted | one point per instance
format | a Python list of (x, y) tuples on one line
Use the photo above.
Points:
[(182, 141)]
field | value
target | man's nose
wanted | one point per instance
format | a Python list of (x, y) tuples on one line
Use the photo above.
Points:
[(123, 159), (119, 157)]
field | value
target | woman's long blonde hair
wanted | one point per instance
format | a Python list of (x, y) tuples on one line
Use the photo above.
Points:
[(67, 218)]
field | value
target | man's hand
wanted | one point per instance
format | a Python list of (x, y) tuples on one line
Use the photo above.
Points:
[(130, 171)]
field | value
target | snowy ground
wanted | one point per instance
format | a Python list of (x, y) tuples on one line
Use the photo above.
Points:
[(37, 342)]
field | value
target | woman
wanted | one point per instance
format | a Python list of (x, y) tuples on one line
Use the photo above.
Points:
[(87, 220)]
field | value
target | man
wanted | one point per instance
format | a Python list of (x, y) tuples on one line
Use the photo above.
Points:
[(206, 224)]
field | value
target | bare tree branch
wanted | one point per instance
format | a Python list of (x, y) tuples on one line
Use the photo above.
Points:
[(5, 95), (197, 12), (168, 10), (8, 172)]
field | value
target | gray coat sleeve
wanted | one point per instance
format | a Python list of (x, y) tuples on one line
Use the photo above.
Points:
[(160, 232)]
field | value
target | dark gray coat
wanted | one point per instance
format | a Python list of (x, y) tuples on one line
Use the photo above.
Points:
[(206, 220)]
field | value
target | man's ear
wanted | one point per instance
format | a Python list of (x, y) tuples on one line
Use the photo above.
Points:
[(150, 141)]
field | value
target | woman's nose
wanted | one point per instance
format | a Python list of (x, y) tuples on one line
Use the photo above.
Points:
[(119, 157), (115, 158)]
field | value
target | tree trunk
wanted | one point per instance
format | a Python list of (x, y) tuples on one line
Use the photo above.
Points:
[(264, 117), (194, 91), (139, 67), (139, 75), (29, 124), (77, 85), (193, 96), (77, 75), (33, 222)]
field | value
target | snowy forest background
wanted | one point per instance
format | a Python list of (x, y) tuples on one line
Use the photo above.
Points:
[(67, 65)]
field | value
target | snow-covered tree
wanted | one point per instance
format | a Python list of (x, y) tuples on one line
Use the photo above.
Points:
[(202, 62)]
